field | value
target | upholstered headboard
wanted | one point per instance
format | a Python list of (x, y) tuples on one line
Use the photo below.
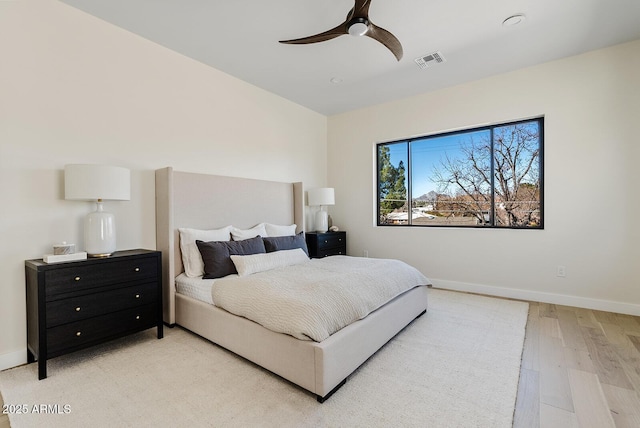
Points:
[(202, 201)]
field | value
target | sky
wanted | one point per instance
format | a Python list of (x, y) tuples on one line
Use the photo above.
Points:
[(427, 154)]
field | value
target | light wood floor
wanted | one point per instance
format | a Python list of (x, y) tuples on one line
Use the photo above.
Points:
[(580, 368)]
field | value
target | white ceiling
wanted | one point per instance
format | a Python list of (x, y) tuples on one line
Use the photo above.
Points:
[(240, 37)]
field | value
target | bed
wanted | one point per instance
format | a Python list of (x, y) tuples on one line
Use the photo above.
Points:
[(203, 201)]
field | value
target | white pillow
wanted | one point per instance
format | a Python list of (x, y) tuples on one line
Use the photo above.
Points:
[(247, 265), (242, 234), (277, 230), (191, 258)]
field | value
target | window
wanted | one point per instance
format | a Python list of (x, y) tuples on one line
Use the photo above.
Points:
[(483, 177)]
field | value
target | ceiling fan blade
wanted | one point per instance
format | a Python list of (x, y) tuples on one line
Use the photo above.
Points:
[(321, 37), (386, 38), (360, 10)]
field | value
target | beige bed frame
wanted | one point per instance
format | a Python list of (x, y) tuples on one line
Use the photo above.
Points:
[(202, 201)]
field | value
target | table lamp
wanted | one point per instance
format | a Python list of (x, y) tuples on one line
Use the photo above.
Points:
[(97, 183), (321, 197)]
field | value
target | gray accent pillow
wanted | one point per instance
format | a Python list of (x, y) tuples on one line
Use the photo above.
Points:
[(216, 255), (277, 243)]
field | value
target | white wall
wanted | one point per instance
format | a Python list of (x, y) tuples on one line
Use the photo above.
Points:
[(74, 89), (591, 105)]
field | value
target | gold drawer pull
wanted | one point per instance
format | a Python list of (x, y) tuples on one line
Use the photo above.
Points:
[(78, 309), (137, 317), (137, 296), (78, 333), (77, 278), (137, 269)]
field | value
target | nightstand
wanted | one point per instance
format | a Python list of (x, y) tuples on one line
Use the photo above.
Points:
[(74, 305), (326, 244)]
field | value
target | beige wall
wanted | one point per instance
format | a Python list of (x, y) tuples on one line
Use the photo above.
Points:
[(74, 89), (591, 105)]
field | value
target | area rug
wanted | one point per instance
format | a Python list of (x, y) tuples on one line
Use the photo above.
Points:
[(456, 366)]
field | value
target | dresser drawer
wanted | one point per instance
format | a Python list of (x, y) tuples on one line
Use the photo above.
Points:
[(76, 335), (330, 240), (330, 252), (83, 277), (90, 305)]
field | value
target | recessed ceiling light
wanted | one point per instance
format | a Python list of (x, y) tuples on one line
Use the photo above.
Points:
[(335, 80), (514, 20)]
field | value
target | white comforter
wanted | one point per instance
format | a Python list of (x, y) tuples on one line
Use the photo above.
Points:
[(313, 300)]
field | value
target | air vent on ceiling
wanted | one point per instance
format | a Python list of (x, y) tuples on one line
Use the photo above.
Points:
[(428, 60)]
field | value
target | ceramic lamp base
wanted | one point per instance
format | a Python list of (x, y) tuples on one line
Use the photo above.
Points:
[(99, 233), (322, 221)]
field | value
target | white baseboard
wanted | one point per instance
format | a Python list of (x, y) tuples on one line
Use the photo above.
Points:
[(537, 296), (13, 359)]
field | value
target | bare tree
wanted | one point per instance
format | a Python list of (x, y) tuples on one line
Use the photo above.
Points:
[(517, 174), (467, 179)]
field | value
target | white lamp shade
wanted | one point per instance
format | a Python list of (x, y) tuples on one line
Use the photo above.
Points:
[(92, 182), (321, 196)]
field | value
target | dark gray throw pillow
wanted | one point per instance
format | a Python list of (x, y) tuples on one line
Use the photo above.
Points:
[(216, 255), (277, 243)]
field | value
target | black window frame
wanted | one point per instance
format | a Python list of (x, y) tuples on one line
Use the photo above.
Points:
[(492, 223)]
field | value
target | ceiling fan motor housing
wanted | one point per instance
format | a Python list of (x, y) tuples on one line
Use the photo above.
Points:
[(358, 26)]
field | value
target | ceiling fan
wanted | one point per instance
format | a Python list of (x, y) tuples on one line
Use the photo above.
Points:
[(356, 24)]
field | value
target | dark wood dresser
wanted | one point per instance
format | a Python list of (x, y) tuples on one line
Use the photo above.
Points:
[(74, 305), (326, 244)]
